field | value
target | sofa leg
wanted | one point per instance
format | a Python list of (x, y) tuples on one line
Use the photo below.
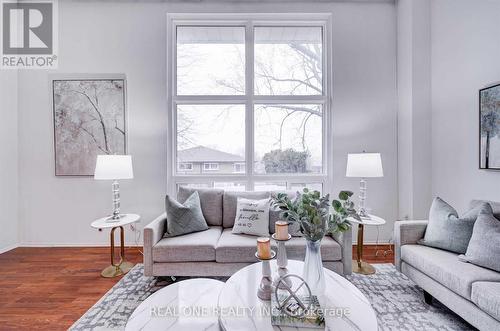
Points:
[(427, 298)]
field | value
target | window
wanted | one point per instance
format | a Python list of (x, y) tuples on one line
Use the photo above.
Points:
[(239, 168), (185, 166), (210, 166), (250, 101)]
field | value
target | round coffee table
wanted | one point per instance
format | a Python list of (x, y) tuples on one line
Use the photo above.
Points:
[(184, 306), (240, 294)]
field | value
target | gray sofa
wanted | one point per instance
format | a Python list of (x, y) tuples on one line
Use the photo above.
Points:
[(219, 252), (470, 291)]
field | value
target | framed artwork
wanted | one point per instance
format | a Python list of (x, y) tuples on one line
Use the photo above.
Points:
[(89, 119), (489, 127)]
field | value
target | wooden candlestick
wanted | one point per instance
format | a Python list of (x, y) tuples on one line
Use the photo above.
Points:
[(281, 230), (264, 248)]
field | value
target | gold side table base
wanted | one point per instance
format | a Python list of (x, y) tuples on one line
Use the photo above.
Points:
[(114, 271), (358, 265), (364, 268), (122, 267)]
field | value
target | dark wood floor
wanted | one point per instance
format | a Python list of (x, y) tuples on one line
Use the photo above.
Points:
[(50, 288)]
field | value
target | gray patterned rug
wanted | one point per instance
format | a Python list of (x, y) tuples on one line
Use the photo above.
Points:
[(398, 302)]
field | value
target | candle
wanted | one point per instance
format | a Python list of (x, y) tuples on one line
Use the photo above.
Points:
[(264, 248), (281, 230)]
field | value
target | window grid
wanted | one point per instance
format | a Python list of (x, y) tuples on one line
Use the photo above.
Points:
[(249, 178)]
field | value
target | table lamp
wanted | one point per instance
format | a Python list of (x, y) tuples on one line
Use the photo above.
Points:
[(364, 165), (114, 167)]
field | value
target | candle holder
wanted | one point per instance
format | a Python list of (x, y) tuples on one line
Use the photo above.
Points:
[(265, 288), (282, 261)]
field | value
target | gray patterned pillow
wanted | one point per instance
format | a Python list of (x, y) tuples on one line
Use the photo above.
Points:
[(484, 245), (184, 218), (448, 231)]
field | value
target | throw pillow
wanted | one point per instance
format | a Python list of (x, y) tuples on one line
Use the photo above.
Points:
[(484, 245), (252, 217), (184, 218), (448, 231)]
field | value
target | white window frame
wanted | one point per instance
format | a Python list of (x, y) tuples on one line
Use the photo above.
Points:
[(249, 21), (210, 166)]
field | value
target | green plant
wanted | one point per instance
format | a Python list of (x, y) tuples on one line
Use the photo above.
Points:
[(343, 208), (312, 212)]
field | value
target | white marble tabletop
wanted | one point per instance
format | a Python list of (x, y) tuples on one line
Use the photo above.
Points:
[(239, 294), (373, 220), (184, 306), (106, 222)]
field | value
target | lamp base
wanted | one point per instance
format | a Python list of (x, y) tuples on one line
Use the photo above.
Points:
[(114, 218)]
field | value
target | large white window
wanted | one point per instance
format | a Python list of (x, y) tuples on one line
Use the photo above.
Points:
[(249, 101)]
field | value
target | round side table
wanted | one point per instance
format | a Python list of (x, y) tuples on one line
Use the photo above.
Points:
[(359, 266), (122, 267)]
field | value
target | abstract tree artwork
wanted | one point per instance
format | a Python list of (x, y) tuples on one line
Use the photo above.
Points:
[(489, 112), (89, 120)]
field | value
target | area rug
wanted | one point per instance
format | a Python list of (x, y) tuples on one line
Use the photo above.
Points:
[(397, 301)]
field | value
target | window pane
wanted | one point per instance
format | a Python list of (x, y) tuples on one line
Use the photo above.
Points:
[(311, 186), (230, 186), (210, 60), (195, 185), (211, 137), (288, 60), (270, 186), (288, 139)]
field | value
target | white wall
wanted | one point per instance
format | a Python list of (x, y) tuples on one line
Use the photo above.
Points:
[(130, 38), (8, 160), (414, 108), (465, 58)]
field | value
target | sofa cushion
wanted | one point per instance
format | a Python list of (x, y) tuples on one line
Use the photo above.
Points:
[(495, 206), (210, 199), (184, 218), (484, 245), (445, 268), (230, 200), (448, 231), (330, 249), (241, 248), (486, 295), (252, 217), (192, 247)]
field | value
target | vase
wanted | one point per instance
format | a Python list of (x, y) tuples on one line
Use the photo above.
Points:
[(313, 268)]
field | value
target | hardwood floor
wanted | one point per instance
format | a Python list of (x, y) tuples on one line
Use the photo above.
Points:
[(50, 288), (376, 253)]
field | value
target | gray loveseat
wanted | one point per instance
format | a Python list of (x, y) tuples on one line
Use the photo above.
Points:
[(217, 251), (470, 291)]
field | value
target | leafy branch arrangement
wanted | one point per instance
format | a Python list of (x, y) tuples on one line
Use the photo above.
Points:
[(312, 212)]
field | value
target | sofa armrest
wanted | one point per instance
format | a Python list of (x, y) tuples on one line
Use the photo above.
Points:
[(153, 232), (405, 233), (345, 241)]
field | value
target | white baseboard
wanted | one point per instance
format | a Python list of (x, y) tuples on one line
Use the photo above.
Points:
[(373, 243), (8, 248)]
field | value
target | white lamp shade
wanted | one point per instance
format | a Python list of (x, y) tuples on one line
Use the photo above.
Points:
[(364, 165), (113, 167)]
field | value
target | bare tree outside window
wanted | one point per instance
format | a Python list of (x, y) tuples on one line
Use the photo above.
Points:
[(288, 62)]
